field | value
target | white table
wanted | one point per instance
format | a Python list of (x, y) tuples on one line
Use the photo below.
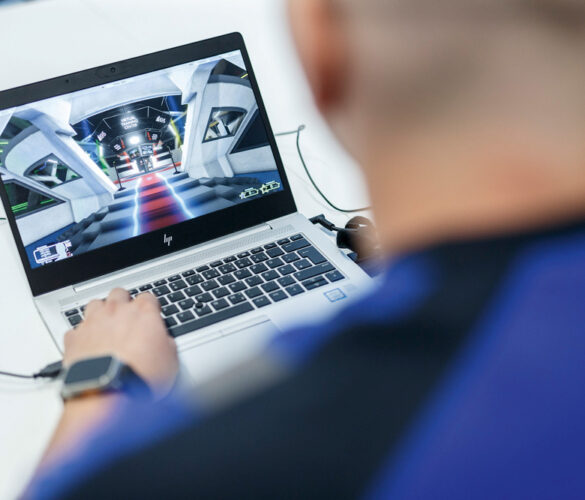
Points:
[(53, 37)]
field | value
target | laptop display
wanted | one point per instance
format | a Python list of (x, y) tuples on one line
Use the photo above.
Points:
[(93, 168)]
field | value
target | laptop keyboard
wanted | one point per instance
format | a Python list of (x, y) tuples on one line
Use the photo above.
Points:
[(235, 285)]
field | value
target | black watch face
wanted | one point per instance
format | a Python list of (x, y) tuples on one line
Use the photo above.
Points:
[(90, 369)]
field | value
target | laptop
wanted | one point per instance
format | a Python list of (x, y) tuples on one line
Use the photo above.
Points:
[(160, 174)]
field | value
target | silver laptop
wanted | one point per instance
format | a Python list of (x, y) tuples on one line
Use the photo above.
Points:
[(160, 174)]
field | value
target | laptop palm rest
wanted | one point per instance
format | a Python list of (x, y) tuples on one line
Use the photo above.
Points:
[(235, 343)]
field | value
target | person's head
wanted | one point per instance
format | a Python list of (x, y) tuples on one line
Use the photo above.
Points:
[(433, 91)]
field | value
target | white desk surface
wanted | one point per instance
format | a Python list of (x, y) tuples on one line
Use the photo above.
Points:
[(50, 38)]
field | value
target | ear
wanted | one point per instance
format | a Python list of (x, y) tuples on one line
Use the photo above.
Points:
[(318, 31)]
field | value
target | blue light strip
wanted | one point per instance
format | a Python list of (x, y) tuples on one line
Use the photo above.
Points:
[(136, 221), (180, 200)]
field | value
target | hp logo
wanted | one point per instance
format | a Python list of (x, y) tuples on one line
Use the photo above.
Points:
[(168, 240)]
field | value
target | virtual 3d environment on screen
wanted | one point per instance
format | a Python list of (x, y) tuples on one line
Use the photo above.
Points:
[(95, 167)]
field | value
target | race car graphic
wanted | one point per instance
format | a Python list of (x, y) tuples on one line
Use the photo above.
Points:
[(52, 253)]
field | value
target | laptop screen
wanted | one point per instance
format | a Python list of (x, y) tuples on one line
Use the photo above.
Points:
[(92, 168)]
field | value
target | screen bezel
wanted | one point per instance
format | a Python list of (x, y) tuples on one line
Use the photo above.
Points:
[(149, 246)]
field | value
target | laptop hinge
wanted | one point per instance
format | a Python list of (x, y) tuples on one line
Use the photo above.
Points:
[(152, 264)]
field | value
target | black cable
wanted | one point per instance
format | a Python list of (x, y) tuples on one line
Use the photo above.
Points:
[(16, 375), (52, 370), (302, 158)]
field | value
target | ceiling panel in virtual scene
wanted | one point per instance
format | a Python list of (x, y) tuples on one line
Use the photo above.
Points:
[(92, 168)]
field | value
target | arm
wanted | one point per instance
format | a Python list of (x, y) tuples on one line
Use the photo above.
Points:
[(133, 332)]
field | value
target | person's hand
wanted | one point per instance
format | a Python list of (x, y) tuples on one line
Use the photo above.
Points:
[(132, 331)]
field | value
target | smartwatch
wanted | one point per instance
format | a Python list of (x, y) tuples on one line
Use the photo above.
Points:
[(99, 375)]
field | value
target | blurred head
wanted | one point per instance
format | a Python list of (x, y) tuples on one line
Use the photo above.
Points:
[(450, 89)]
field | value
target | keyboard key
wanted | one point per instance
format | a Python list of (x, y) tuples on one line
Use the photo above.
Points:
[(185, 316), (186, 304), (284, 241), (270, 287), (220, 304), (261, 257), (303, 264), (243, 254), (170, 310), (274, 263), (261, 302), (313, 283), (194, 280), (253, 292), (296, 245), (72, 312), (192, 291), (203, 310), (259, 268), (290, 258), (227, 268), (161, 290), (178, 285), (237, 287), (75, 320), (286, 270), (133, 292), (176, 297), (278, 296), (313, 255), (209, 275), (205, 297), (242, 274), (160, 283), (210, 285), (269, 246), (286, 281), (335, 276), (314, 271), (163, 301), (254, 281), (295, 290), (243, 263), (221, 292), (176, 277), (256, 250), (237, 298), (226, 280), (211, 319), (170, 322), (202, 269), (275, 252), (186, 274), (217, 263), (230, 259), (145, 288), (296, 237), (270, 275)]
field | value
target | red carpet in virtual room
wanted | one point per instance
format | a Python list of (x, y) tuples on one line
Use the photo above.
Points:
[(157, 206)]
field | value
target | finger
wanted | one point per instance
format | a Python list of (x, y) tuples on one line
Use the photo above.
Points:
[(93, 307), (119, 295), (148, 300)]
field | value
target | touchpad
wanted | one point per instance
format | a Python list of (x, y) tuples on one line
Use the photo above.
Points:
[(239, 342)]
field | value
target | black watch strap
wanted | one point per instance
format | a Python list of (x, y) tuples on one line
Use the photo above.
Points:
[(133, 384)]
